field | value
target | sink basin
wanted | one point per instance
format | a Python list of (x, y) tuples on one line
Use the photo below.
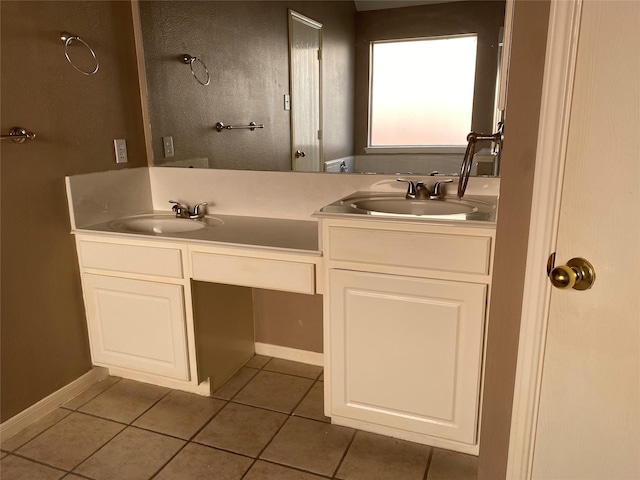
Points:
[(159, 224), (402, 206)]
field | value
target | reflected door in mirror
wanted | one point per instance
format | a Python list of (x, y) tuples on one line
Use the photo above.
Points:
[(305, 44)]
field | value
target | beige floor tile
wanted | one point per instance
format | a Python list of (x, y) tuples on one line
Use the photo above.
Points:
[(309, 445), (133, 455), (312, 406), (16, 468), (269, 471), (71, 476), (200, 462), (242, 429), (125, 401), (274, 391), (376, 457), (180, 414), (293, 368), (257, 361), (71, 440), (23, 436), (92, 392), (447, 465), (235, 383)]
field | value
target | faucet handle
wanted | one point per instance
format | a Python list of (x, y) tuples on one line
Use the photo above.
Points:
[(179, 209), (196, 209), (411, 187), (437, 189)]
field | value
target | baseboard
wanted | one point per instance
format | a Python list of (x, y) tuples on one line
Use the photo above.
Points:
[(286, 353), (50, 403)]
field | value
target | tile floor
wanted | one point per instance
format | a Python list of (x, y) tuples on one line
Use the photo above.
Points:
[(265, 423)]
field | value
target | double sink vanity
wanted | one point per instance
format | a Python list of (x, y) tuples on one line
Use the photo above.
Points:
[(405, 286)]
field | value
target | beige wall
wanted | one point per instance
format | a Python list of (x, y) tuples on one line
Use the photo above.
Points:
[(288, 319), (482, 17), (76, 117), (516, 186), (245, 47)]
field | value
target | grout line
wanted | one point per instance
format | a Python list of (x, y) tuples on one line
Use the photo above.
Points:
[(289, 415), (344, 454), (190, 440), (37, 435), (94, 397), (426, 471), (39, 462)]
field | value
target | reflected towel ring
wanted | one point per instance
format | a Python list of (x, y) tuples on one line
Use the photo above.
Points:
[(189, 60), (67, 38)]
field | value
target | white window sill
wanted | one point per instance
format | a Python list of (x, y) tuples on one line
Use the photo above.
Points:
[(453, 149)]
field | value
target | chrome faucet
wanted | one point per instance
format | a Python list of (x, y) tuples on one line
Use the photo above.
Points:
[(420, 191), (181, 211)]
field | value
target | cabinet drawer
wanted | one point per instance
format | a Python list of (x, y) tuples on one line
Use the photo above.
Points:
[(429, 251), (254, 272), (164, 262)]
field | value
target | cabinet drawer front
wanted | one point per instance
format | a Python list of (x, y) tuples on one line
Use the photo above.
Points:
[(164, 262), (430, 251), (137, 324), (254, 272)]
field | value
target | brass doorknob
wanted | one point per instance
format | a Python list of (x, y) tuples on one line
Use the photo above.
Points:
[(578, 274), (300, 153)]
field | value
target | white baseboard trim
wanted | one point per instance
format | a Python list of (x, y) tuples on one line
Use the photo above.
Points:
[(286, 353), (50, 403)]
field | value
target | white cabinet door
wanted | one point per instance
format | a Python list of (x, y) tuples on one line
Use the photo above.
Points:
[(137, 324), (406, 352)]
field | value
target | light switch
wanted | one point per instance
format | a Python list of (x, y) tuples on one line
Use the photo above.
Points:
[(167, 142), (120, 146)]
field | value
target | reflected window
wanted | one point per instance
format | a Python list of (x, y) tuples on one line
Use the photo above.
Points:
[(421, 92)]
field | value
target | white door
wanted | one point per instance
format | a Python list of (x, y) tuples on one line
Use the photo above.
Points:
[(406, 352), (589, 416), (137, 324), (305, 50)]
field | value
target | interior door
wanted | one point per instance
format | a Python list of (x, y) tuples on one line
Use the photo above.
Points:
[(305, 50), (589, 416)]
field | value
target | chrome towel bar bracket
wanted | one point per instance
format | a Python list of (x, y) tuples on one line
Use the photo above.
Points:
[(18, 135), (252, 126)]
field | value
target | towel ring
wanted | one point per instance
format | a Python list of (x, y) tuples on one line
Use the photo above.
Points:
[(189, 60), (67, 38)]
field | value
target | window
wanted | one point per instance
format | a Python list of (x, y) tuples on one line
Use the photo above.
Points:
[(421, 91)]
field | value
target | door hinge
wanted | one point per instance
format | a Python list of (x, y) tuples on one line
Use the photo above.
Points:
[(319, 134), (319, 54)]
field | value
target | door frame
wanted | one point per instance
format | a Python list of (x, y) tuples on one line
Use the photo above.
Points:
[(557, 95), (292, 14)]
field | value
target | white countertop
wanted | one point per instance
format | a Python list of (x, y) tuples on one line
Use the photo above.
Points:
[(294, 236)]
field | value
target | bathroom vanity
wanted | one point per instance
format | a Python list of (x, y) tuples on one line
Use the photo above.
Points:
[(405, 297)]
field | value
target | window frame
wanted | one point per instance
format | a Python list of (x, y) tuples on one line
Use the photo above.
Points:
[(412, 149)]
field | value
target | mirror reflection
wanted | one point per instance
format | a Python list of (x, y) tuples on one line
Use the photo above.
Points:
[(305, 73)]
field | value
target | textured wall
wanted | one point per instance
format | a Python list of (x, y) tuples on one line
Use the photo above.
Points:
[(245, 47), (76, 118)]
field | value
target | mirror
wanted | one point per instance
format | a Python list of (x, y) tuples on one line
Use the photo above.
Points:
[(242, 47)]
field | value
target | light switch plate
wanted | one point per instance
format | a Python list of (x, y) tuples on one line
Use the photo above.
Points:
[(167, 142), (120, 146)]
